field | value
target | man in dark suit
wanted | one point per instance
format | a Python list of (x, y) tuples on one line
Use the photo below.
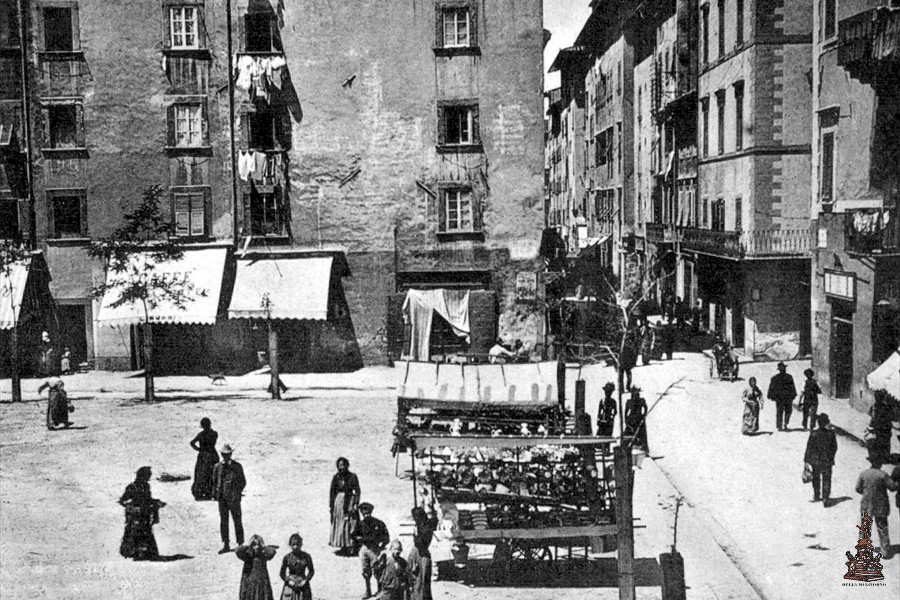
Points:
[(783, 392), (372, 536), (228, 486), (873, 484), (820, 450)]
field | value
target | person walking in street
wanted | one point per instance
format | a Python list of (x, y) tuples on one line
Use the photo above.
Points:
[(809, 399), (696, 317), (255, 583), (57, 403), (635, 419), (873, 484), (666, 338), (228, 485), (606, 411), (753, 403), (879, 430), (48, 364), (296, 571), (343, 501), (141, 514), (372, 537), (419, 560), (783, 392), (394, 581), (820, 450), (207, 457), (628, 357), (647, 338)]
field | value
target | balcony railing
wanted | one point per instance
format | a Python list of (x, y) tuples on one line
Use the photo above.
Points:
[(748, 244), (868, 40), (872, 232), (659, 232)]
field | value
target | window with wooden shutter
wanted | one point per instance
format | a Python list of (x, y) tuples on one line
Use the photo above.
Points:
[(63, 126), (189, 211), (456, 27), (458, 124), (67, 212)]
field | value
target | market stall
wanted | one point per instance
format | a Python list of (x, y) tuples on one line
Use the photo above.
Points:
[(526, 496)]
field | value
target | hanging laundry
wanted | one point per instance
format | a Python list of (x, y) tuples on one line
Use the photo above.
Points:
[(259, 166), (244, 67), (246, 164)]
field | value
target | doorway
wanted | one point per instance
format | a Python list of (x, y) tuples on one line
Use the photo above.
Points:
[(841, 351), (72, 332)]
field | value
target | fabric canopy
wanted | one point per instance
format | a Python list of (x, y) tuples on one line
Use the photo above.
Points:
[(418, 311), (887, 376), (204, 269), (532, 383), (12, 292), (296, 287)]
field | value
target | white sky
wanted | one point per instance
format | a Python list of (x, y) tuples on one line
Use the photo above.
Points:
[(564, 19)]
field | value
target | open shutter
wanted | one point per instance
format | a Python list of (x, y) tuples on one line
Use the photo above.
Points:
[(204, 122), (441, 200), (441, 126), (198, 214), (80, 137), (166, 27), (82, 205), (76, 30), (438, 26), (182, 213), (473, 24), (247, 214), (476, 126), (39, 42), (170, 126), (45, 127), (478, 202), (51, 216), (207, 211), (242, 33)]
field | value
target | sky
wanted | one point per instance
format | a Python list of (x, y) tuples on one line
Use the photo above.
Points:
[(564, 19)]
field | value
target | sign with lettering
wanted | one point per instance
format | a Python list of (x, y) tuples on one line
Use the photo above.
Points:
[(526, 286), (840, 284)]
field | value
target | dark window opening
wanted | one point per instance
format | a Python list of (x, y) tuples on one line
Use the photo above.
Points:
[(58, 29), (827, 187), (262, 130), (738, 214), (704, 111), (9, 219), (459, 125), (721, 29), (720, 110), (9, 25), (260, 33), (739, 26), (266, 214), (705, 27), (718, 215), (830, 18), (738, 116), (67, 216), (63, 122)]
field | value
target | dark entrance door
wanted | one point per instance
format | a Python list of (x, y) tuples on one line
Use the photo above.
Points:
[(72, 332), (841, 353)]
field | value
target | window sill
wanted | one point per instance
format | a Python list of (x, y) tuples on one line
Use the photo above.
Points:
[(65, 152), (263, 240), (199, 53), (60, 55), (189, 150), (457, 51), (69, 241), (457, 148), (460, 236), (193, 239)]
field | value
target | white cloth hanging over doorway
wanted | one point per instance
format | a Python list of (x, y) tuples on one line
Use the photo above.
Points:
[(418, 311)]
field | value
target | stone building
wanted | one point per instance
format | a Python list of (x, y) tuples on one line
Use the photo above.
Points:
[(402, 139), (856, 261)]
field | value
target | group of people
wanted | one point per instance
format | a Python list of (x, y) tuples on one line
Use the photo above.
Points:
[(49, 362), (634, 417), (782, 391)]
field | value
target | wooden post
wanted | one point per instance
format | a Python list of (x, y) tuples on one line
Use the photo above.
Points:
[(561, 382), (15, 376), (273, 361), (579, 398), (149, 387), (625, 522)]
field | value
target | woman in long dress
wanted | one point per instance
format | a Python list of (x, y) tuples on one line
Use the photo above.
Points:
[(141, 514), (255, 584), (58, 403), (420, 556), (296, 571), (343, 503), (207, 457), (753, 401)]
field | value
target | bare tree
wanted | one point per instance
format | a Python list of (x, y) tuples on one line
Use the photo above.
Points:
[(131, 257), (12, 254)]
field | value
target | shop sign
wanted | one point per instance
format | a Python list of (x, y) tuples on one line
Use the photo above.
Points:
[(840, 284), (526, 286)]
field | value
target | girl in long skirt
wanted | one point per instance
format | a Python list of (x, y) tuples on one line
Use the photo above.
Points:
[(255, 584), (296, 571), (141, 514), (753, 401), (343, 503), (207, 457)]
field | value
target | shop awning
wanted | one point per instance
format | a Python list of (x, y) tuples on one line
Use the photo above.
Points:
[(887, 376), (204, 268), (296, 287), (12, 292)]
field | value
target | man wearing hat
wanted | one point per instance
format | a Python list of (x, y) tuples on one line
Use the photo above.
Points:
[(606, 411), (636, 420), (228, 485), (820, 451), (372, 537), (809, 400), (783, 392)]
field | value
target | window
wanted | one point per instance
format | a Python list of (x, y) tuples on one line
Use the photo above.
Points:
[(9, 218), (738, 214), (705, 220), (720, 124), (619, 145), (187, 75), (829, 18), (739, 23), (266, 211), (9, 25), (828, 120), (189, 211), (261, 130), (739, 115), (60, 29), (721, 29), (458, 211), (183, 27), (67, 210), (187, 126), (458, 124), (63, 126), (456, 27), (704, 115), (718, 215), (704, 25), (260, 33)]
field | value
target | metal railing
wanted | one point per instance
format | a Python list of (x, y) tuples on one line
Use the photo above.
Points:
[(869, 37), (748, 244)]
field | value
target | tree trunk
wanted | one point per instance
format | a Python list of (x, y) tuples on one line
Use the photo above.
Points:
[(275, 383), (625, 522), (149, 391), (15, 376)]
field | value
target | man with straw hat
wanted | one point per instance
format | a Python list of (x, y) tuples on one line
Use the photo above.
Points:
[(228, 485)]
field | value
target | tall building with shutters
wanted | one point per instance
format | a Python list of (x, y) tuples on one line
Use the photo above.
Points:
[(404, 139)]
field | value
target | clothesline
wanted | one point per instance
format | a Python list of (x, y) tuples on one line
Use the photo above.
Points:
[(258, 75), (258, 166)]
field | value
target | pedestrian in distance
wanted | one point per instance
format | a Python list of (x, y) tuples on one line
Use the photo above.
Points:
[(873, 484), (343, 502), (606, 411), (666, 338), (372, 537), (628, 358), (696, 317), (419, 560), (878, 433), (753, 403), (821, 448), (647, 338), (255, 583), (58, 406), (65, 362), (809, 399), (394, 582), (141, 514), (228, 486), (296, 571), (207, 458), (636, 419), (783, 392)]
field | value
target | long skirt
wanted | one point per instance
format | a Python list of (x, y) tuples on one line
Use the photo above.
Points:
[(751, 418), (202, 487), (138, 541), (58, 410), (304, 593), (420, 566), (342, 524)]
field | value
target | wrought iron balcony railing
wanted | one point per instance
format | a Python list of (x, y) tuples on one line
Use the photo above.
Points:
[(748, 244), (869, 40)]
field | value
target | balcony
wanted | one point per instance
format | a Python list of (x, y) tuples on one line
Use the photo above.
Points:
[(872, 232), (659, 233), (869, 41), (765, 243)]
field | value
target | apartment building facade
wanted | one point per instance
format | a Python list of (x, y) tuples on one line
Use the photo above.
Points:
[(405, 142), (856, 259)]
